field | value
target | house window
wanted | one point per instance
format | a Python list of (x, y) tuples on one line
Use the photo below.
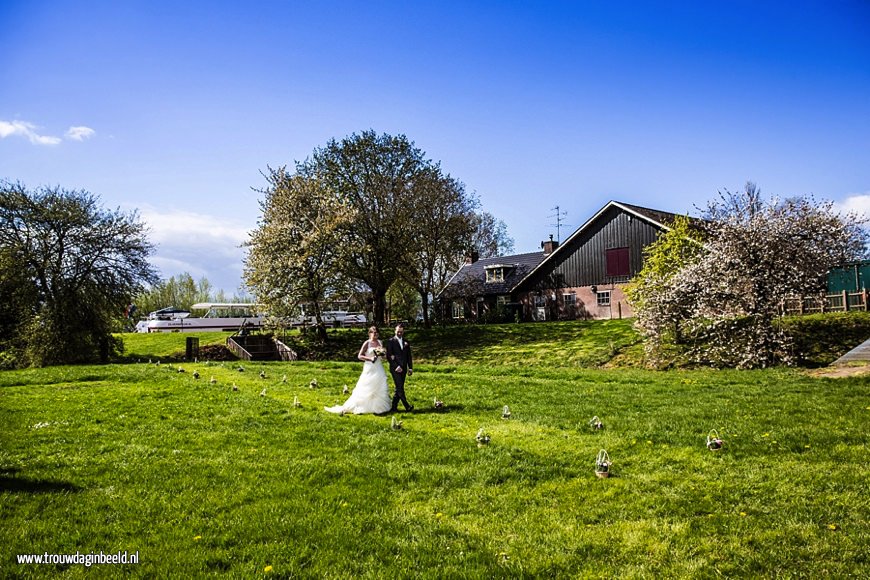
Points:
[(457, 309), (495, 275), (540, 301), (570, 299), (502, 301), (617, 263), (603, 298)]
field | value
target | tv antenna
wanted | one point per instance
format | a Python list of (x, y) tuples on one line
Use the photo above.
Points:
[(559, 215)]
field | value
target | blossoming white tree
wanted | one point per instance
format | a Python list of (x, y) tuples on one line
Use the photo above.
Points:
[(720, 304)]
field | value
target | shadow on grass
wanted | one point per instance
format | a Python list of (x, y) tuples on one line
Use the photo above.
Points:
[(431, 410), (10, 482)]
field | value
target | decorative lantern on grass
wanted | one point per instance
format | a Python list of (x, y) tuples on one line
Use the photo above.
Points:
[(714, 442), (602, 464), (596, 423), (313, 384), (506, 412), (482, 438), (296, 402), (395, 425), (439, 404)]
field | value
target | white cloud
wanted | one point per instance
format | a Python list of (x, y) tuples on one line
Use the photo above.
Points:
[(79, 133), (202, 245), (27, 130), (858, 203)]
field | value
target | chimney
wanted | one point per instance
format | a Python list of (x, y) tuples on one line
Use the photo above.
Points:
[(549, 245), (472, 257)]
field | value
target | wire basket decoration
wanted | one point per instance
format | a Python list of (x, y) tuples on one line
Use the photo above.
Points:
[(482, 438), (296, 402), (395, 425), (596, 423), (439, 404), (602, 464), (714, 442), (506, 412)]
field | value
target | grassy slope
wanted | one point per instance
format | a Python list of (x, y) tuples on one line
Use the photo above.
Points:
[(819, 339), (201, 479), (576, 344)]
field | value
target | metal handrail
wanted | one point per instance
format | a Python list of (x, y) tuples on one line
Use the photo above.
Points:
[(237, 349)]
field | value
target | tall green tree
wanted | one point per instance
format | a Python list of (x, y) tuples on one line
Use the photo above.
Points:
[(376, 179), (294, 256), (490, 237), (84, 264), (180, 291), (443, 226)]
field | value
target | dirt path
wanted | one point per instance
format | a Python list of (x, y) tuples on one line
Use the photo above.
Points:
[(840, 371)]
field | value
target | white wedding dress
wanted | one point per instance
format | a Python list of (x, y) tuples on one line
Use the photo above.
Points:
[(371, 393)]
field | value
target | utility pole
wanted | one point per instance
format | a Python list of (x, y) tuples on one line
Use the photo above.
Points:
[(558, 225)]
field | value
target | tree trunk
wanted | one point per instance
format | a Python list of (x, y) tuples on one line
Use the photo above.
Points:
[(424, 303), (380, 305)]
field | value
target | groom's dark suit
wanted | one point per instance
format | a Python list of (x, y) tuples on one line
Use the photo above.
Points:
[(399, 357)]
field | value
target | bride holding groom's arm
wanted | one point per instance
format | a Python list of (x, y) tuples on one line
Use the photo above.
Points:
[(371, 393)]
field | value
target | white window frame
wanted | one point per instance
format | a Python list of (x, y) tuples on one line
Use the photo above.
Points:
[(502, 300), (458, 309), (495, 275), (602, 297), (569, 298)]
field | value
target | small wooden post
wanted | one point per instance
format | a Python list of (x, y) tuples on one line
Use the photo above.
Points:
[(864, 298), (619, 308), (845, 301)]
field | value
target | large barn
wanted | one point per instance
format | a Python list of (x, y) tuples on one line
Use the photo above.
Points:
[(582, 278)]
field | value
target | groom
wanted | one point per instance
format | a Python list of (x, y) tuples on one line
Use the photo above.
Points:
[(399, 357)]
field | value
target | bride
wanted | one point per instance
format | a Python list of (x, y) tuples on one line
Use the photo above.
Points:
[(371, 394)]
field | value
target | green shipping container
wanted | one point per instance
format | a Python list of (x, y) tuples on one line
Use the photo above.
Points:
[(851, 277)]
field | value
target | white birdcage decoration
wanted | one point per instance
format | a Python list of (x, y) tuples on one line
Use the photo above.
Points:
[(482, 437), (596, 423), (296, 402), (714, 442), (506, 412), (602, 464)]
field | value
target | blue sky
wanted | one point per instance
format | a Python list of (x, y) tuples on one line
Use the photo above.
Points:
[(174, 108)]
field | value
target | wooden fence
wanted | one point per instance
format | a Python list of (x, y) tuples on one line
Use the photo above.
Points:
[(839, 302)]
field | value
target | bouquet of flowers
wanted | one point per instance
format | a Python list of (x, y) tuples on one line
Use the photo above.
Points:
[(379, 352)]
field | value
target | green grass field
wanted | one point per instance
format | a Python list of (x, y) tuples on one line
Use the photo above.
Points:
[(201, 479)]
